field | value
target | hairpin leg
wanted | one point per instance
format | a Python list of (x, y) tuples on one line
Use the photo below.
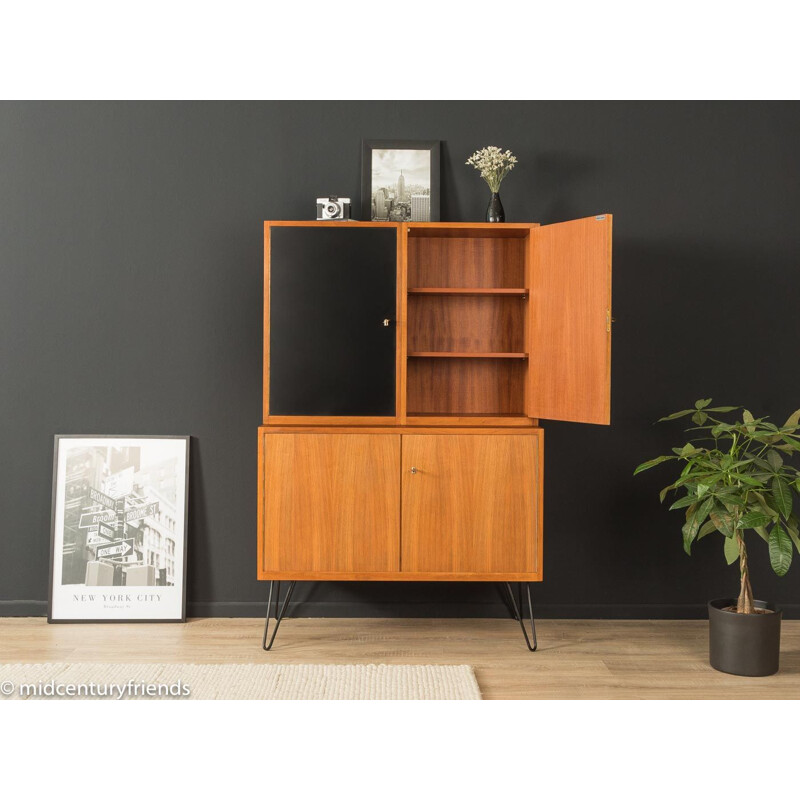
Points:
[(518, 615), (279, 615)]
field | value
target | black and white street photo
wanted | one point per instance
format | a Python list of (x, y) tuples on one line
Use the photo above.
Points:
[(119, 528)]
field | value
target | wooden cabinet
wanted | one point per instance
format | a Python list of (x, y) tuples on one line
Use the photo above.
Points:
[(406, 368)]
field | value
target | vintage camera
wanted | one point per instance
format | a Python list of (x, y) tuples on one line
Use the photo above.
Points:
[(333, 208)]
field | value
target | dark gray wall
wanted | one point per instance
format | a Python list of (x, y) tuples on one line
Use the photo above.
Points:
[(130, 302)]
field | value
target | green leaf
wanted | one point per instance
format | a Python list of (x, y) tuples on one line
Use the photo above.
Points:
[(794, 419), (782, 496), (762, 501), (731, 501), (688, 450), (760, 462), (754, 519), (683, 502), (676, 415), (705, 529), (723, 520), (723, 409), (702, 488), (689, 533), (731, 549), (748, 421), (775, 461), (652, 463), (746, 479), (780, 550), (695, 516), (702, 403), (699, 417), (792, 444), (704, 510)]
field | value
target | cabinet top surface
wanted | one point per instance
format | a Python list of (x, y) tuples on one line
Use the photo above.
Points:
[(347, 223), (399, 430)]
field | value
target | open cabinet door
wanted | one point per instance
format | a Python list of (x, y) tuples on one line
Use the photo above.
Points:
[(569, 344)]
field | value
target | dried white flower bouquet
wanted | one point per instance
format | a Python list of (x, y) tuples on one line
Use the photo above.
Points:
[(493, 165)]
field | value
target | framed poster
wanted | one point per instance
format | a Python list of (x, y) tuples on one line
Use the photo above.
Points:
[(399, 180), (118, 533)]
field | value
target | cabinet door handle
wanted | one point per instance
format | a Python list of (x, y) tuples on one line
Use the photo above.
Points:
[(413, 470), (387, 322)]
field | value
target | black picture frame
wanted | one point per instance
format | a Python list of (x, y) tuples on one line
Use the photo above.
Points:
[(53, 516), (368, 145)]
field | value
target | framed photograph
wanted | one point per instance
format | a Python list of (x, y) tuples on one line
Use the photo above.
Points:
[(118, 535), (399, 180)]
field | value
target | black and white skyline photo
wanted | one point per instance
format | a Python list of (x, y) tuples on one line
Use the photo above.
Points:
[(401, 185)]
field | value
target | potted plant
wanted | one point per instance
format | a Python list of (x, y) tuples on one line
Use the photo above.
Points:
[(493, 165), (736, 479)]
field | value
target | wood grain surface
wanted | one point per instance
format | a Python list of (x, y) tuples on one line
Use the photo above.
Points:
[(470, 504), (331, 503), (570, 322)]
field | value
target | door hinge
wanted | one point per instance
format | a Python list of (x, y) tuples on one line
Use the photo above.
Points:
[(600, 216), (608, 320)]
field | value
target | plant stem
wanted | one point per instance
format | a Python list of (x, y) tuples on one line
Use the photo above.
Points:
[(745, 602)]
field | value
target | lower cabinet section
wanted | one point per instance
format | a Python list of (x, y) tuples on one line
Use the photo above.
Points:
[(432, 504), (470, 503)]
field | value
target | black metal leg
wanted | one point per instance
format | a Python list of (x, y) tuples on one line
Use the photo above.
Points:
[(518, 615), (279, 615)]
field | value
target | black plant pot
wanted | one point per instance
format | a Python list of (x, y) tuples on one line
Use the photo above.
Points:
[(744, 644)]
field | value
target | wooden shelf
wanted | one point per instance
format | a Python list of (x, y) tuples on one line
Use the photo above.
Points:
[(480, 292), (468, 415), (466, 355), (470, 230)]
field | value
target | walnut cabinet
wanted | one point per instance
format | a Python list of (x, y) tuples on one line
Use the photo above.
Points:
[(406, 368)]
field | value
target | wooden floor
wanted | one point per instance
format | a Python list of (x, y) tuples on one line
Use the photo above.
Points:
[(576, 658)]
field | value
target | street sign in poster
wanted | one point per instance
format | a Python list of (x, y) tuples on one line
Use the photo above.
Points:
[(108, 532), (147, 510), (116, 549), (91, 518), (102, 498), (120, 483)]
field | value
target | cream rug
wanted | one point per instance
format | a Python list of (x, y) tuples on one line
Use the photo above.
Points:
[(237, 682)]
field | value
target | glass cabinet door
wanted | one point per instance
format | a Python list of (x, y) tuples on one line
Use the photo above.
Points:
[(332, 328)]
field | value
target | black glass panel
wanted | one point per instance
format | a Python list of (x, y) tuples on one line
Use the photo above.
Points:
[(330, 291)]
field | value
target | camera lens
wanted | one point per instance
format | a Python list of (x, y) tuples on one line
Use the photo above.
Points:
[(331, 209)]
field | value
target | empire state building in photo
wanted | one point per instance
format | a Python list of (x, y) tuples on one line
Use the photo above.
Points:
[(401, 188)]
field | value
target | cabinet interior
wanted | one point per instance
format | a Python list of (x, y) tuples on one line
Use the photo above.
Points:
[(467, 312)]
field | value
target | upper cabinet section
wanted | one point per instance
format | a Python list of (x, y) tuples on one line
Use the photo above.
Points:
[(330, 320), (570, 321), (437, 323)]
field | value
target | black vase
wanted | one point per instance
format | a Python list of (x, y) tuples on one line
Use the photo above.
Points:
[(495, 213)]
